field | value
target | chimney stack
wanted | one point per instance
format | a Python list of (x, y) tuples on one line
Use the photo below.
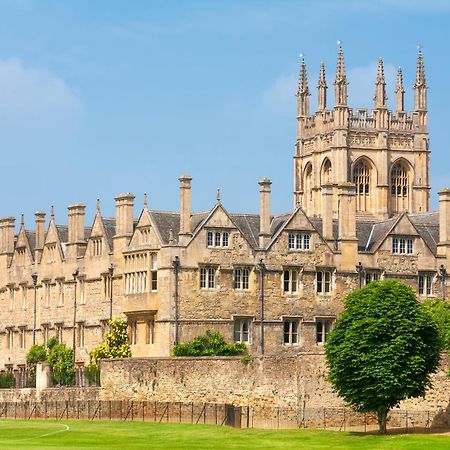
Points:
[(76, 240), (444, 222), (185, 209), (264, 212), (7, 235), (124, 222), (40, 235)]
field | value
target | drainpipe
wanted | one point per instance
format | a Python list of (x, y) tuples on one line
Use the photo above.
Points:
[(34, 278), (75, 275), (262, 271), (176, 269)]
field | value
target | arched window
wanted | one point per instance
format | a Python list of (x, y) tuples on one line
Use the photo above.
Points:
[(399, 187), (307, 190), (361, 178), (326, 172)]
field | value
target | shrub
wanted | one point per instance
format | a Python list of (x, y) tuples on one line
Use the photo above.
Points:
[(439, 310), (60, 358), (92, 374), (212, 343), (115, 344), (7, 380)]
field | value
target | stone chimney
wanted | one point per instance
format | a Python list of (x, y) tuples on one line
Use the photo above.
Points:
[(444, 222), (124, 220), (185, 209), (264, 212), (327, 212), (40, 235), (77, 242), (7, 235), (347, 241)]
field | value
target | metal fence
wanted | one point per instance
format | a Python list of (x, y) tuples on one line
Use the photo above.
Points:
[(343, 419)]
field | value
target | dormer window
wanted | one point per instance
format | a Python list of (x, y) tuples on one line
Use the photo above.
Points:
[(51, 253), (145, 235), (299, 241), (97, 244), (217, 239), (402, 246)]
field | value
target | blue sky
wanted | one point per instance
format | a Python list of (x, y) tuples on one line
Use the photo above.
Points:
[(99, 98)]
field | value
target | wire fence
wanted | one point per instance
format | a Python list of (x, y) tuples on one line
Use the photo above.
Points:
[(343, 419)]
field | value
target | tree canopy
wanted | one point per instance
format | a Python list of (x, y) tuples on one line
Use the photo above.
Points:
[(439, 310), (383, 348)]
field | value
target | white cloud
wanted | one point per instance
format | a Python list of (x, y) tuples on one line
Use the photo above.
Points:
[(31, 99), (361, 89), (280, 95)]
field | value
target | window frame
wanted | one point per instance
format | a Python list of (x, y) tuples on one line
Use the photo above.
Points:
[(425, 284), (242, 330), (299, 241), (324, 281), (326, 325), (292, 331), (208, 277), (402, 245), (241, 278)]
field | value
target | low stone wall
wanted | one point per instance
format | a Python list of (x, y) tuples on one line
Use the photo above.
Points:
[(273, 381), (53, 394)]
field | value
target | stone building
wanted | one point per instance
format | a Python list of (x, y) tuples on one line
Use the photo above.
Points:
[(361, 213)]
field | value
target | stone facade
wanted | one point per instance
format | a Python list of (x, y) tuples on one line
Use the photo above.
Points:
[(274, 282)]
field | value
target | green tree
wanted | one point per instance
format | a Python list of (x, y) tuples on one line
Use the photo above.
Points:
[(36, 354), (60, 358), (115, 344), (383, 348), (212, 343), (439, 310)]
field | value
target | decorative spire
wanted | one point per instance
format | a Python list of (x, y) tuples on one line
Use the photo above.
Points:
[(218, 196), (322, 89), (400, 91), (145, 200), (303, 90), (52, 212), (380, 89), (420, 71), (340, 82), (97, 207), (420, 86)]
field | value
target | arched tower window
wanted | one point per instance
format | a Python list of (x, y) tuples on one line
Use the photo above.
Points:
[(326, 172), (399, 187), (308, 190), (361, 178)]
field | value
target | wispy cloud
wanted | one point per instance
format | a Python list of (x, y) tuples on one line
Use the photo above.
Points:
[(34, 99), (280, 95)]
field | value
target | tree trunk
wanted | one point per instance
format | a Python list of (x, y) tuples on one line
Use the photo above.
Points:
[(382, 414)]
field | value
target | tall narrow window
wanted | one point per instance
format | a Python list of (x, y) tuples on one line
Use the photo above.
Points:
[(97, 245), (399, 188), (242, 330), (9, 338), (290, 332), (323, 328), (425, 284), (24, 296), (207, 277), (59, 329), (290, 281), (361, 178), (150, 331), (154, 273), (133, 332), (241, 278), (12, 297), (326, 172), (45, 334), (22, 337), (61, 292), (47, 293), (82, 284), (323, 282), (80, 334)]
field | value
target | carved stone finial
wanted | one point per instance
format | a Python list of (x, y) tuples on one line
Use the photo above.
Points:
[(341, 76), (303, 89), (145, 200), (97, 206), (52, 212), (420, 70), (22, 220), (218, 195)]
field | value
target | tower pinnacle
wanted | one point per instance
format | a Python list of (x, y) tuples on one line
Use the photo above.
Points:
[(340, 82), (380, 86), (303, 90), (420, 86), (322, 89), (400, 91)]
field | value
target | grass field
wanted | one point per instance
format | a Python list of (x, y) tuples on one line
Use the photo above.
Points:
[(18, 434)]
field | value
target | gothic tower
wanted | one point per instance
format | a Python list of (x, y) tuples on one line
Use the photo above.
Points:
[(384, 153)]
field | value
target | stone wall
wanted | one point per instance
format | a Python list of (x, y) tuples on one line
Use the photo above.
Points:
[(284, 381), (54, 394)]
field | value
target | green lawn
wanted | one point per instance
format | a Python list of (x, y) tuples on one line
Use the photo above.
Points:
[(21, 434)]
